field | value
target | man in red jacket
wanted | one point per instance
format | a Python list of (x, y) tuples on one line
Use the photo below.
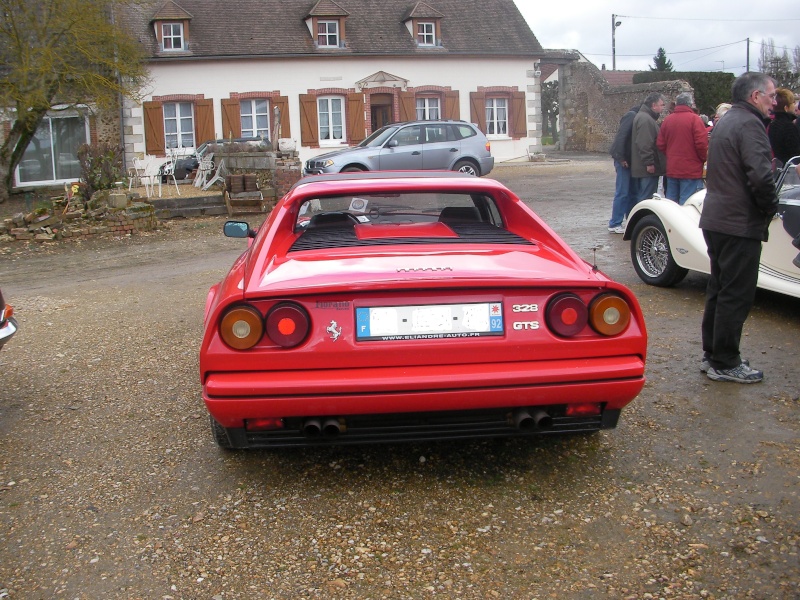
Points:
[(684, 140)]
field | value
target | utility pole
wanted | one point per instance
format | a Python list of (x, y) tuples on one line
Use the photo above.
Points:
[(614, 25)]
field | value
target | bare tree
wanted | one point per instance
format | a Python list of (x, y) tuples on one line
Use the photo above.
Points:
[(60, 53), (776, 63)]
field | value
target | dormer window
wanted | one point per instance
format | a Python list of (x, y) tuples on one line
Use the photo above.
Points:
[(172, 36), (328, 34), (426, 33)]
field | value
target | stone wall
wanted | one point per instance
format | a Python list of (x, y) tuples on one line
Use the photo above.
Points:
[(592, 108)]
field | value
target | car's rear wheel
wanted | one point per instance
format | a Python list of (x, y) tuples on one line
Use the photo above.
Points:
[(652, 256), (220, 435), (468, 167), (352, 169)]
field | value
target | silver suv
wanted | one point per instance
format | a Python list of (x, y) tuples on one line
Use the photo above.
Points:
[(439, 145)]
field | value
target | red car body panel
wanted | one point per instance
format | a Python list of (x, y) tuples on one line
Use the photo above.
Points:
[(332, 373)]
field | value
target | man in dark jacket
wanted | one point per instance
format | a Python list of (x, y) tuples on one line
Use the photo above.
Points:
[(625, 192), (647, 161), (739, 205)]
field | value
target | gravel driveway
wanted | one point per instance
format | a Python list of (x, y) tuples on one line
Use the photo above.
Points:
[(111, 486)]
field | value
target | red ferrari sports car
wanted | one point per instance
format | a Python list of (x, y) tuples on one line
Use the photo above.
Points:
[(389, 306)]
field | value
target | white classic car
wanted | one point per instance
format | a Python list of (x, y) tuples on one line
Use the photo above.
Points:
[(667, 243)]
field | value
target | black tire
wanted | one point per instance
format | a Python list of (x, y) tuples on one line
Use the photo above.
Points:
[(652, 256), (220, 435), (352, 169), (468, 167)]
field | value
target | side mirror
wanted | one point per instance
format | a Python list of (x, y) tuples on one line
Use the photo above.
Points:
[(238, 229), (393, 144)]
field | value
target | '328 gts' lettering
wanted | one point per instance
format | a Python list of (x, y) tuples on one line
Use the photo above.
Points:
[(524, 308)]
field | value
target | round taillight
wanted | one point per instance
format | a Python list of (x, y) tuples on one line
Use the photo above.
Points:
[(242, 327), (566, 315), (609, 314), (287, 324)]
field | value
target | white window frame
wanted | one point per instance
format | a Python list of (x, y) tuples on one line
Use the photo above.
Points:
[(174, 33), (184, 126), (426, 33), (250, 109), (428, 108), (331, 31), (325, 108), (497, 117), (49, 118)]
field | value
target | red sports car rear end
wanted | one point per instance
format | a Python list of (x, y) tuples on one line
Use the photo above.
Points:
[(388, 307)]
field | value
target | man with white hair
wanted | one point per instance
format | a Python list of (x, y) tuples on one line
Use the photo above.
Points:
[(739, 205), (683, 139)]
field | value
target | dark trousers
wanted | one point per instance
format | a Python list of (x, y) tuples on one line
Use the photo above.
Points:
[(729, 295)]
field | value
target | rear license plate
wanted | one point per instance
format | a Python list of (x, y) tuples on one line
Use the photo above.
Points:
[(429, 321)]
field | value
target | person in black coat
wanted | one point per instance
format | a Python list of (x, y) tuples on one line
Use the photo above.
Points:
[(784, 137)]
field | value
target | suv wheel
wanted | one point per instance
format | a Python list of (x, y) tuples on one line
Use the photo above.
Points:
[(468, 167)]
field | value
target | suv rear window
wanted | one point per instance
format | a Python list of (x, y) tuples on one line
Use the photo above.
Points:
[(463, 131)]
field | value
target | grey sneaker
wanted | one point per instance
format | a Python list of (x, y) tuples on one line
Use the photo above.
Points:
[(741, 374), (617, 229), (705, 365)]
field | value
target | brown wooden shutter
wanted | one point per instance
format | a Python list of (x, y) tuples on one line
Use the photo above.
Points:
[(309, 124), (408, 106), (231, 118), (204, 121), (356, 128), (519, 118), (477, 109), (281, 102), (451, 107), (154, 142)]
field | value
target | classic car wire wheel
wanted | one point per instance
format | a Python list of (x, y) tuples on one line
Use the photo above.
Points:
[(651, 254), (652, 251)]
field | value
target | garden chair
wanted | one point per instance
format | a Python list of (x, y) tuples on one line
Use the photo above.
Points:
[(168, 170), (204, 169), (219, 175), (137, 171)]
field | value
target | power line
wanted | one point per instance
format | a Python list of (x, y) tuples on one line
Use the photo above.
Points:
[(715, 19)]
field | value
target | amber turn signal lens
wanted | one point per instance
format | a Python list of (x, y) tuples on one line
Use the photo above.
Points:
[(609, 314), (242, 327)]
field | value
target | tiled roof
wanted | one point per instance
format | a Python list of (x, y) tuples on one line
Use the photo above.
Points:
[(619, 77), (275, 28), (170, 11), (423, 10), (327, 8)]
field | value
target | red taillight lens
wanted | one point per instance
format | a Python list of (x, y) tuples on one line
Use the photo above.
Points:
[(609, 314), (566, 315), (287, 324), (263, 424), (488, 146), (242, 327)]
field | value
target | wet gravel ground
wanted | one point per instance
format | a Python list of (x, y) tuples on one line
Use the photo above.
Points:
[(111, 486)]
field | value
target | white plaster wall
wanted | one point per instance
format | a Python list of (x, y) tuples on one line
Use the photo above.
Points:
[(292, 77)]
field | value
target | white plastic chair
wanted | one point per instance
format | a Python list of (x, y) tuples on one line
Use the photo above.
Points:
[(137, 171), (168, 171), (204, 169), (151, 177), (219, 175)]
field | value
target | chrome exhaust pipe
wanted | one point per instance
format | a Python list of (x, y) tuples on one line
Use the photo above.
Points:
[(331, 428), (542, 420), (523, 420), (312, 428)]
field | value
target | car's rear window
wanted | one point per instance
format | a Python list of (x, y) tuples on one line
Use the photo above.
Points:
[(385, 209)]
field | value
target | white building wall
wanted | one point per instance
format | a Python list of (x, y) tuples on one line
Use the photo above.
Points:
[(292, 77)]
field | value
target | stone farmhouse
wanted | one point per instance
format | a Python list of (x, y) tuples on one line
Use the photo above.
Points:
[(327, 73)]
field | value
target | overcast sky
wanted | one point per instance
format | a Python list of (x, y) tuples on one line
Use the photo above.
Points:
[(696, 35)]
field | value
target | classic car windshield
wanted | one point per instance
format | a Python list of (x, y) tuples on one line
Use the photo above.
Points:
[(382, 209), (378, 138)]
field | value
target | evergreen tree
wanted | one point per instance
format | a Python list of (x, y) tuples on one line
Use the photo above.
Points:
[(661, 62)]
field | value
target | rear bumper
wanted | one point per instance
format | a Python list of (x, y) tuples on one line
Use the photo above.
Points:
[(358, 395)]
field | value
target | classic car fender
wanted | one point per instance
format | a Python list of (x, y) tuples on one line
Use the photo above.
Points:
[(681, 225)]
